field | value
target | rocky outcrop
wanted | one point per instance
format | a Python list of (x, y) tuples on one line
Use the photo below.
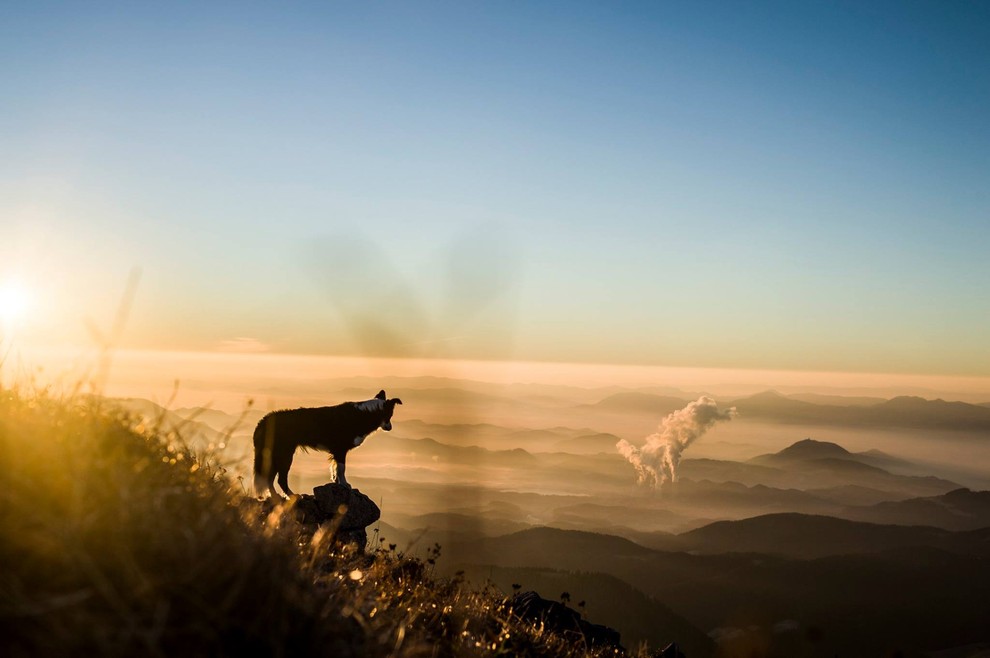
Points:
[(565, 621), (346, 511)]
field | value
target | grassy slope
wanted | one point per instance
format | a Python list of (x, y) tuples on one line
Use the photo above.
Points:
[(610, 601), (116, 540)]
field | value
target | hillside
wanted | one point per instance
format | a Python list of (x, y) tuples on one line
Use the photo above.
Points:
[(129, 543), (638, 617)]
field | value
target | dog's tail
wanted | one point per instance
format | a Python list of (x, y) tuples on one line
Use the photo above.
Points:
[(263, 475)]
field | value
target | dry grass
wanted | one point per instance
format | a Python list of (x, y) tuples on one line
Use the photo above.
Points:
[(117, 540)]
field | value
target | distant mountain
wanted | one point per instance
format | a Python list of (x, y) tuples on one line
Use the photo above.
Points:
[(586, 515), (735, 500), (451, 395), (771, 405), (906, 411), (836, 400), (919, 412), (536, 438), (636, 402), (221, 420), (366, 386), (491, 436), (856, 496), (588, 444), (805, 450), (960, 509), (431, 450), (454, 526), (189, 430), (887, 462), (719, 470), (811, 449), (810, 464), (538, 547), (806, 536)]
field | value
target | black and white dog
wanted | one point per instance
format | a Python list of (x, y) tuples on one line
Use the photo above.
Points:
[(337, 430)]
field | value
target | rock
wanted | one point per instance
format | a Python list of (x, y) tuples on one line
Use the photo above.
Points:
[(306, 509), (347, 511), (357, 537), (359, 510), (563, 620)]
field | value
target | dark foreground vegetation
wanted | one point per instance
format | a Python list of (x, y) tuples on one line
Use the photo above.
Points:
[(118, 540)]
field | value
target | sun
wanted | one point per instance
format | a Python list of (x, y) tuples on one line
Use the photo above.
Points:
[(15, 300)]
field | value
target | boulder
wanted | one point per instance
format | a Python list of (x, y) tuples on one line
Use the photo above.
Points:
[(563, 620), (348, 511), (358, 510)]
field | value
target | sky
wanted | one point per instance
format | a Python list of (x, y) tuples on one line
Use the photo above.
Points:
[(766, 185)]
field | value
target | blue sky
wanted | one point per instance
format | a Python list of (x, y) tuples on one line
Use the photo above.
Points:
[(780, 185)]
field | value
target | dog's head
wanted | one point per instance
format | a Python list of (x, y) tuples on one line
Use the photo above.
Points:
[(388, 407)]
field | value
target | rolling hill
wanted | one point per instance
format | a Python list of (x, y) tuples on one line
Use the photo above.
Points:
[(860, 605), (960, 509), (807, 536)]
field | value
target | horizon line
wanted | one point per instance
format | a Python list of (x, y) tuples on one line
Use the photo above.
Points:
[(505, 371)]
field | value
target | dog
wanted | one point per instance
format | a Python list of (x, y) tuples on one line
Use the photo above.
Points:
[(337, 430)]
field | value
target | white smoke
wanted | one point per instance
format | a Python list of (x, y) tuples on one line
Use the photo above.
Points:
[(656, 462)]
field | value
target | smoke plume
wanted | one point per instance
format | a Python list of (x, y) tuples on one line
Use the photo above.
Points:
[(656, 462)]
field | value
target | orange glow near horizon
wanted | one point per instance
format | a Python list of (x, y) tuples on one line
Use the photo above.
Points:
[(230, 378)]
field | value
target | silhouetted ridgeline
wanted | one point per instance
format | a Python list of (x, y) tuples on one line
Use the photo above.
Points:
[(910, 598), (125, 543), (904, 411)]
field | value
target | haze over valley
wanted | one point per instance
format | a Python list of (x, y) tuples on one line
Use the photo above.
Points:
[(783, 521)]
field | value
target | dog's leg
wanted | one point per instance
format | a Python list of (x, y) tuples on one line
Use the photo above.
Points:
[(341, 466), (283, 481), (270, 479), (282, 464)]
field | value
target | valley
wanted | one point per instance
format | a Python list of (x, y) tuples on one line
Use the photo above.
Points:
[(791, 526)]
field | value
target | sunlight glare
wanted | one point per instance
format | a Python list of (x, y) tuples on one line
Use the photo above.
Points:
[(14, 302)]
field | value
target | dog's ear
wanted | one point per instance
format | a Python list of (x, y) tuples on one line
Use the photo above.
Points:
[(395, 401), (380, 396)]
